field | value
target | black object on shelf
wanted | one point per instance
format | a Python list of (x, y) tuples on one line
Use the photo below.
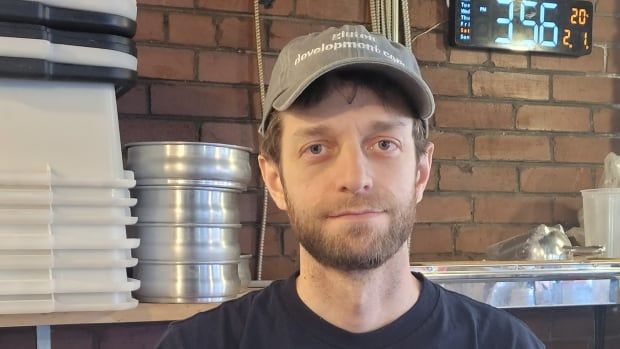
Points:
[(39, 69), (23, 11), (93, 40)]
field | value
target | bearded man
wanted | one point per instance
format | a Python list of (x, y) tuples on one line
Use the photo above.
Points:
[(345, 153)]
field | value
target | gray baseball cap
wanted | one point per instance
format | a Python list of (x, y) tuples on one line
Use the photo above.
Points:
[(306, 58)]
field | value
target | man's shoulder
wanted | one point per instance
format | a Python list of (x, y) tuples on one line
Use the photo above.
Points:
[(492, 324), (229, 318)]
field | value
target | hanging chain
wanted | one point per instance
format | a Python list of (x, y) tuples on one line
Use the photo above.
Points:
[(261, 81)]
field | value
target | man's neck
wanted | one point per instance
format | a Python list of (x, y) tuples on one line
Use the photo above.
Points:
[(360, 301)]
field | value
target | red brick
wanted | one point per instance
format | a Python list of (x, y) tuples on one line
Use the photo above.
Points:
[(584, 149), (257, 108), (512, 148), (433, 179), (134, 101), (281, 32), (509, 60), (274, 214), (555, 179), (238, 32), (586, 89), (452, 208), (477, 178), (168, 3), (565, 211), (230, 133), (275, 268), (426, 13), (192, 29), (273, 242), (510, 85), (468, 114), (232, 67), (477, 238), (605, 29), (430, 47), (553, 118), (291, 244), (513, 209), (452, 146), (255, 180), (472, 57), (199, 100), (607, 120), (249, 207), (343, 10), (445, 81), (598, 175), (226, 5), (141, 130), (165, 63), (613, 60), (432, 239), (150, 25), (607, 6), (588, 63), (19, 337), (279, 7), (248, 237)]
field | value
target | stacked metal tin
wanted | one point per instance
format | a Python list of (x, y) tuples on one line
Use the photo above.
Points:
[(188, 219)]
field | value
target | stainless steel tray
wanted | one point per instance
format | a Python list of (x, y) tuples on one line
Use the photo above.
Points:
[(528, 284)]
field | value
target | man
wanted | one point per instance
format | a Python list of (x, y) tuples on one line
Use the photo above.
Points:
[(345, 154)]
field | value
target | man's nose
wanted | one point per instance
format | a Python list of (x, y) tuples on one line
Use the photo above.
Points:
[(353, 170)]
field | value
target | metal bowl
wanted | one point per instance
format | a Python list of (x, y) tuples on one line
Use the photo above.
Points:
[(245, 275), (177, 204), (190, 161), (186, 242), (186, 283)]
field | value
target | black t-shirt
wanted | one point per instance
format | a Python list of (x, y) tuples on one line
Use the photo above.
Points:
[(276, 317)]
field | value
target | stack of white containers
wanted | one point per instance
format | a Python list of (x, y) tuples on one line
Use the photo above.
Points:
[(188, 208), (64, 196)]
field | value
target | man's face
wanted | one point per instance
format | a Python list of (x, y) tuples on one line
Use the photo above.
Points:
[(348, 178)]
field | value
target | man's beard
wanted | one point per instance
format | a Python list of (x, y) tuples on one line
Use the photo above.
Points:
[(359, 246)]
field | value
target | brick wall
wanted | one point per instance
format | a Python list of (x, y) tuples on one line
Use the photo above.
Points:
[(517, 135)]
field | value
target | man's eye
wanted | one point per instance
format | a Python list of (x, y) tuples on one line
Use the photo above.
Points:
[(385, 144), (315, 149)]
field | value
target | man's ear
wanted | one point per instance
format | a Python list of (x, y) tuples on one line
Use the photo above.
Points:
[(271, 176), (423, 171)]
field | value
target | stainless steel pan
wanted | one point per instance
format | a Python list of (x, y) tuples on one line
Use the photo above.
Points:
[(186, 242), (186, 283), (217, 165), (183, 204)]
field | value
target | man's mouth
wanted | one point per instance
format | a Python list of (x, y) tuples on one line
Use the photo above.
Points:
[(356, 213)]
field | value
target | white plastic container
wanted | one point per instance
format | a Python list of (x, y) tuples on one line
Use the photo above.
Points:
[(67, 54), (601, 215), (125, 8), (29, 304), (103, 233), (36, 118), (41, 286)]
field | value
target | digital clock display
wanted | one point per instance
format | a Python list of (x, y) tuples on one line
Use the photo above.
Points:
[(553, 26)]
